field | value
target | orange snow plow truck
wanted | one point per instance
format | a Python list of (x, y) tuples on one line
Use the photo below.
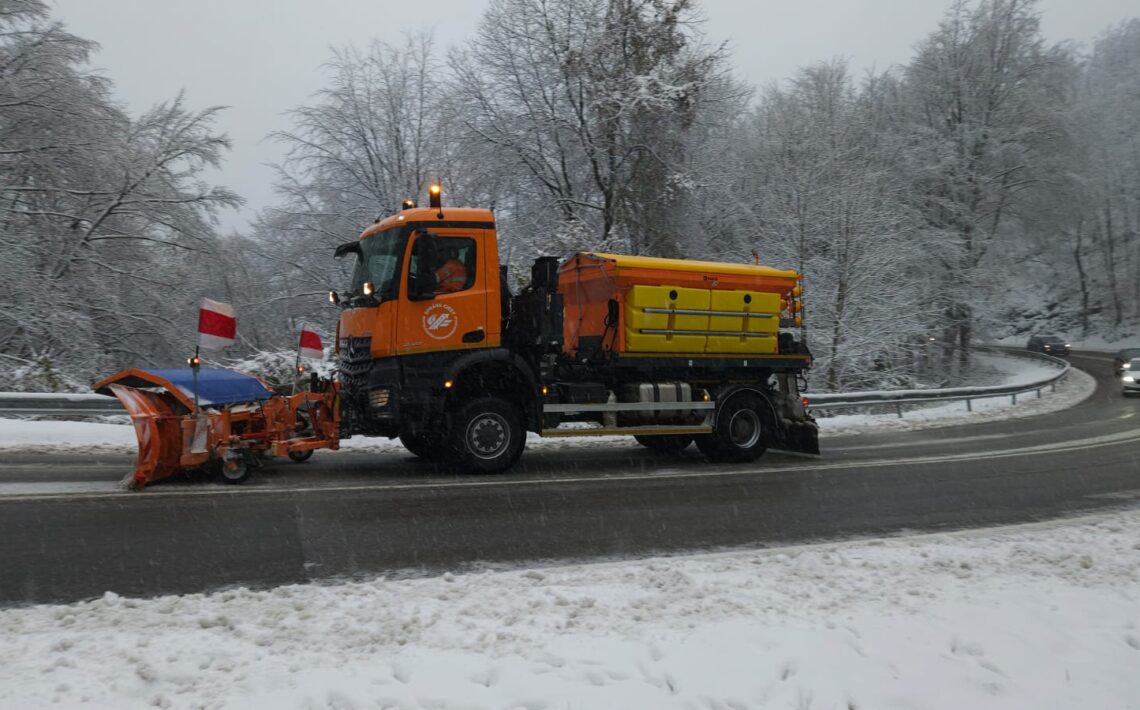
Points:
[(434, 349)]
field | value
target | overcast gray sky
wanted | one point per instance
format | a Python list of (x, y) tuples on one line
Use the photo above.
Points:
[(263, 57)]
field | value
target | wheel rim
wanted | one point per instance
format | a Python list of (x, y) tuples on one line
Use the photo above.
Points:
[(235, 473), (744, 428), (488, 435)]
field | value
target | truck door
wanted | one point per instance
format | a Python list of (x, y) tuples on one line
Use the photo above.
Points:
[(445, 300)]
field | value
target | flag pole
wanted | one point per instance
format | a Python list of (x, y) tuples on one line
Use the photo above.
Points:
[(297, 366), (195, 362), (297, 362)]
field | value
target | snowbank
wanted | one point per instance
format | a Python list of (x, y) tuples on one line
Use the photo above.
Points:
[(67, 437), (1030, 617)]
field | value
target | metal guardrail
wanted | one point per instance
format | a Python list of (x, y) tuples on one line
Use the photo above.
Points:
[(899, 398), (78, 405), (58, 405)]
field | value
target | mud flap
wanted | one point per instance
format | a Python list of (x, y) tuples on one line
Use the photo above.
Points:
[(797, 436), (159, 433)]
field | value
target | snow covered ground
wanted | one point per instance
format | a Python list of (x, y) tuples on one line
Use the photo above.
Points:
[(1043, 616), (78, 437)]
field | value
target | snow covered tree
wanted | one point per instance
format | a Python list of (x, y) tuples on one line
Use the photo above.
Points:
[(829, 199), (1107, 160), (588, 104), (101, 212), (982, 114), (367, 141)]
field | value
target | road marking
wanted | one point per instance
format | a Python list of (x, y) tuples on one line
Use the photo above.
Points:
[(920, 442), (1053, 448), (54, 489), (1132, 494)]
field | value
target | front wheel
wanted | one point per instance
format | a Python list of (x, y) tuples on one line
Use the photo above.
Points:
[(300, 456), (739, 436), (487, 436)]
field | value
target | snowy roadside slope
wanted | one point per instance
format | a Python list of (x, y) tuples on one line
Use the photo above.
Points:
[(81, 437), (1043, 616)]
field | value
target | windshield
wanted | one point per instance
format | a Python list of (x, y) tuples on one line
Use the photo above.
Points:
[(379, 262)]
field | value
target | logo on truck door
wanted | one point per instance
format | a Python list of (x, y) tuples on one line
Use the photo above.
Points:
[(440, 321)]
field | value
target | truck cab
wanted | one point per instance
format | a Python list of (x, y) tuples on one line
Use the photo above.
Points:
[(425, 289)]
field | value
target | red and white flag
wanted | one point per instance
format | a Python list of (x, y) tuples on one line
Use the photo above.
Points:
[(311, 344), (217, 326)]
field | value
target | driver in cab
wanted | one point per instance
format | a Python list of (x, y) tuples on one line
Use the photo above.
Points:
[(451, 276)]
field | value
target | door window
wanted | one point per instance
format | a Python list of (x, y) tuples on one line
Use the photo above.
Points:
[(454, 267)]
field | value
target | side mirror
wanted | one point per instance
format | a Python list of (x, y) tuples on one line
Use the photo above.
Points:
[(425, 256)]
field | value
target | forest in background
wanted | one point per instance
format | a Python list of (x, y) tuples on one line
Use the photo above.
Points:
[(989, 187)]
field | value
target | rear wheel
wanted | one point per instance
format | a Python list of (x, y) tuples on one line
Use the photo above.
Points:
[(487, 436), (301, 456), (665, 443), (740, 432)]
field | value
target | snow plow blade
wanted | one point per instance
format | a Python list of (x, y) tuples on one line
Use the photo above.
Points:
[(158, 430), (239, 422)]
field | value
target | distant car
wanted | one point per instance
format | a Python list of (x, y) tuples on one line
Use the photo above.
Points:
[(1048, 344), (1123, 360), (1131, 378)]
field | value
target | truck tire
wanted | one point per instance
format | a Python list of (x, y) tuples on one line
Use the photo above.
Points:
[(424, 446), (487, 436), (740, 434), (665, 443)]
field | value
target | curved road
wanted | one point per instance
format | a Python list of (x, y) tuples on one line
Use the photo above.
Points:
[(351, 515)]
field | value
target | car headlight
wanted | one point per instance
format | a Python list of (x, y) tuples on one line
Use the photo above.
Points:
[(1127, 366), (1129, 378)]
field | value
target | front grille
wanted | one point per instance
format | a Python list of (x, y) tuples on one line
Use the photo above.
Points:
[(355, 361)]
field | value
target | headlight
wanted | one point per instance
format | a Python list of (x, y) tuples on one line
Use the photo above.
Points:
[(368, 289), (1129, 378), (1048, 347), (1127, 366)]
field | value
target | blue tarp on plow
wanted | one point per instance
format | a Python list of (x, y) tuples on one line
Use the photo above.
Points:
[(216, 386)]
